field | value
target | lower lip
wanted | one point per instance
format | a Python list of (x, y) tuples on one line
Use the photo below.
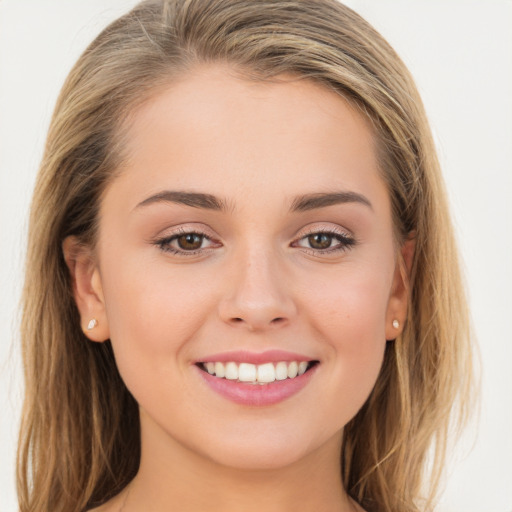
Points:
[(257, 394)]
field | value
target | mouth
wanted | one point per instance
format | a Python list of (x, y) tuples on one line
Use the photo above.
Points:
[(257, 379), (257, 374)]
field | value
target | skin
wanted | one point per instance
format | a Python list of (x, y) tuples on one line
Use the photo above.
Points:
[(255, 284)]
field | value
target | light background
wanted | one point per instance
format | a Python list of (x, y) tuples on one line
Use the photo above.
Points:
[(460, 52)]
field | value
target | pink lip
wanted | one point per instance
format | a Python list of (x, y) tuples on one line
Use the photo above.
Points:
[(243, 356), (256, 394)]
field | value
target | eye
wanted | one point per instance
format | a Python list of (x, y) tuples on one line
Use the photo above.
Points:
[(185, 243), (190, 241), (326, 241)]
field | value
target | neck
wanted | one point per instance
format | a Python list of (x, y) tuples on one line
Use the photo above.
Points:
[(173, 477)]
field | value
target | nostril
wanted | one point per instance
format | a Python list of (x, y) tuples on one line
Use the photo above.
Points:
[(257, 324)]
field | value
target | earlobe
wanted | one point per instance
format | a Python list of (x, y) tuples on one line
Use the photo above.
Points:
[(87, 289), (400, 290)]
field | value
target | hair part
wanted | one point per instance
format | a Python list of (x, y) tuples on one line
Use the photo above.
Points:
[(78, 416)]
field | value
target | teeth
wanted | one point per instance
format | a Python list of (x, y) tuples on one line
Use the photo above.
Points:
[(266, 373), (246, 372), (262, 374), (219, 370), (231, 371), (293, 368), (281, 371)]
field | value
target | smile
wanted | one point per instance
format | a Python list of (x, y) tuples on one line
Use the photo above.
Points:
[(257, 374), (256, 379)]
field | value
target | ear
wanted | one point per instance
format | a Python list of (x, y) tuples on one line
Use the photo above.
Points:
[(87, 289), (400, 289)]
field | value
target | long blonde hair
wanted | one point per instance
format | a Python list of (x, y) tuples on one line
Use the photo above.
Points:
[(78, 416)]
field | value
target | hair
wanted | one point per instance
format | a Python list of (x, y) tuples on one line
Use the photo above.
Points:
[(78, 416)]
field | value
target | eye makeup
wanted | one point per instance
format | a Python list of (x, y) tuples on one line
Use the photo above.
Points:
[(316, 241)]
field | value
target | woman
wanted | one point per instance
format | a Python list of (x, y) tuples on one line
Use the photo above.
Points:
[(248, 295)]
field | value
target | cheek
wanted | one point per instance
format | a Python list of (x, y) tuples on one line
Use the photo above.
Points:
[(152, 312), (348, 315), (351, 305)]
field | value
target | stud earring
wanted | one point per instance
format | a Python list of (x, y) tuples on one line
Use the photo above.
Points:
[(396, 323), (92, 324)]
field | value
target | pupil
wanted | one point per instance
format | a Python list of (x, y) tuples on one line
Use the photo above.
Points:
[(320, 241), (190, 241)]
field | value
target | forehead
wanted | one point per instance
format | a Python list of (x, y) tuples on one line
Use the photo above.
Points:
[(215, 131)]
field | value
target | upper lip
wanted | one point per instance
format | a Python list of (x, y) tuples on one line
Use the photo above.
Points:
[(245, 356)]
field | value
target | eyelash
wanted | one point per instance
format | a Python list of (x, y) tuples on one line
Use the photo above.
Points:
[(345, 242)]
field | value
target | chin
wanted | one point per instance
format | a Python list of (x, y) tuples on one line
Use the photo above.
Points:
[(256, 458), (270, 448)]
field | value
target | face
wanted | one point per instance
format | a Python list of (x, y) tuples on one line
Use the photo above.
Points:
[(249, 225)]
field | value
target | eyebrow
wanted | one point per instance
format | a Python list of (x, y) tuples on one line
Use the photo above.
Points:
[(301, 203), (194, 199), (322, 200)]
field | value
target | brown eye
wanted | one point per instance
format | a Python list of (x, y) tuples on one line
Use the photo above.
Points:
[(190, 241), (187, 243), (320, 240), (325, 242)]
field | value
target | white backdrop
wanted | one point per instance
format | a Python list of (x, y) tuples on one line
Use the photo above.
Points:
[(460, 52)]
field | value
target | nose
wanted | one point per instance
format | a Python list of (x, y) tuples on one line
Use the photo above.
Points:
[(259, 295)]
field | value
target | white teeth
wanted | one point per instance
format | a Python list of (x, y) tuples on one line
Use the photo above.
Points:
[(302, 367), (262, 374), (281, 371), (266, 373), (231, 371), (293, 369), (246, 372), (219, 370)]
